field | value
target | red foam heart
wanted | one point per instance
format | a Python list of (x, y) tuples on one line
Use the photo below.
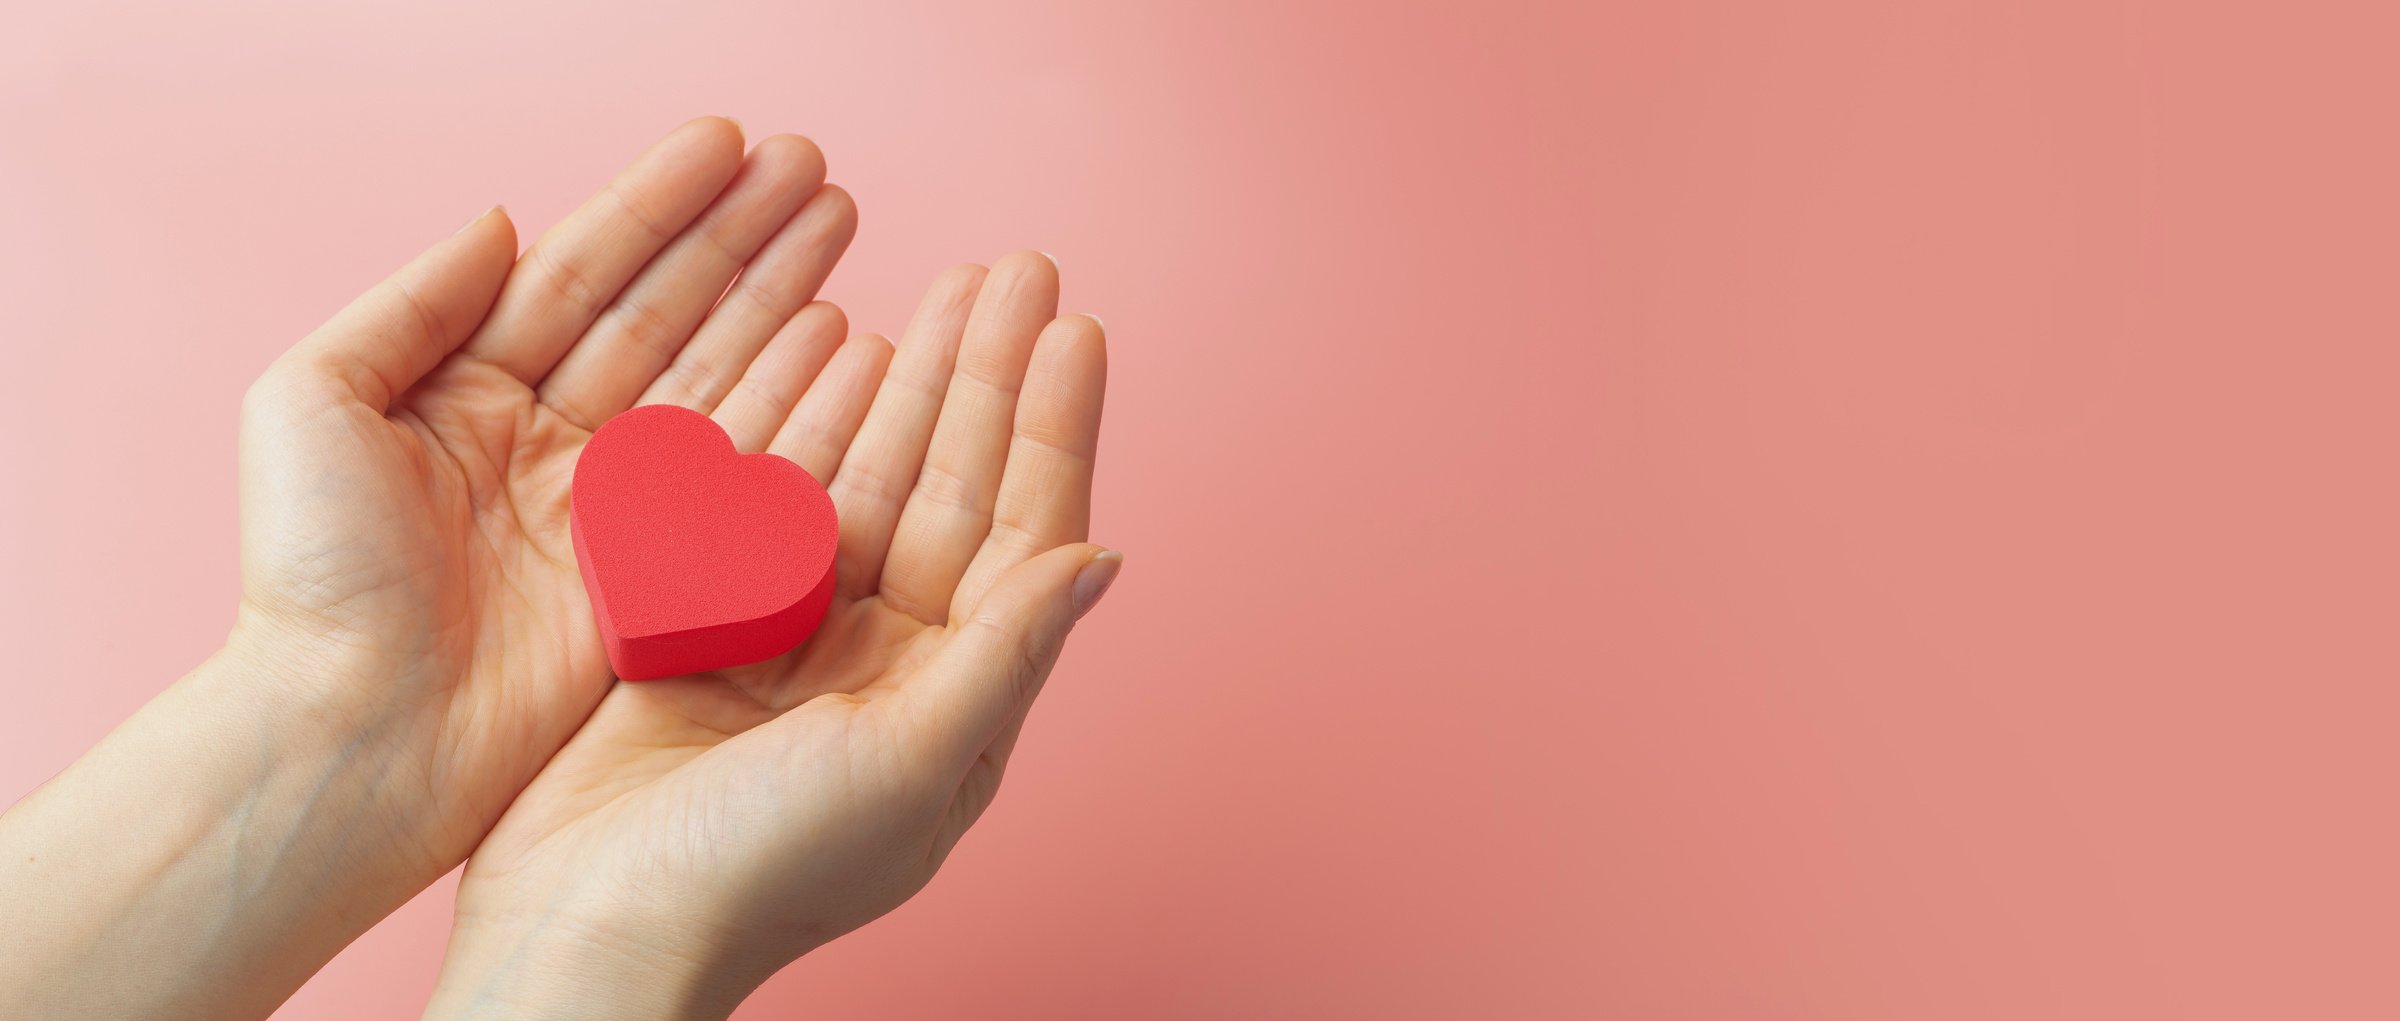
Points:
[(697, 557)]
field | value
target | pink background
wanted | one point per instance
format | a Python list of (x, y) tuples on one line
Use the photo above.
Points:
[(1836, 509)]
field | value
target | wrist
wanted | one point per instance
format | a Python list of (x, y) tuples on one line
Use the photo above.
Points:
[(558, 964), (329, 777), (282, 668)]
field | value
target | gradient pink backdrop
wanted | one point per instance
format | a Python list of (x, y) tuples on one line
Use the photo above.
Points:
[(1837, 509)]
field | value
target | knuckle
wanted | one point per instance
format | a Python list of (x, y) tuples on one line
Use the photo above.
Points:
[(649, 331), (947, 488)]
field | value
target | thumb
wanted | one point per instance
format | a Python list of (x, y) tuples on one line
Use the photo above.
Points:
[(995, 663), (380, 344)]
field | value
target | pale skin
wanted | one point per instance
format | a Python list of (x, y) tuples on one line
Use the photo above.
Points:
[(414, 674)]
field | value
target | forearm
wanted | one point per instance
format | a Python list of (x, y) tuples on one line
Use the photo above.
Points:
[(206, 857)]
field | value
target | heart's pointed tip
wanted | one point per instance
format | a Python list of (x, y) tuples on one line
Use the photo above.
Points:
[(719, 646)]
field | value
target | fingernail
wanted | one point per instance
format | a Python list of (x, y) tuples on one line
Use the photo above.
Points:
[(1053, 259), (1092, 582), (1095, 321), (462, 228)]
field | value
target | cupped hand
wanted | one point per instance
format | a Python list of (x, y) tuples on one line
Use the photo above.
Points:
[(700, 832), (405, 469)]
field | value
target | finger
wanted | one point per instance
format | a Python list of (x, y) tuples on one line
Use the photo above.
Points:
[(640, 333), (1045, 502), (576, 269), (779, 280), (381, 344), (819, 431), (882, 464), (1046, 492), (764, 396), (997, 657), (950, 508)]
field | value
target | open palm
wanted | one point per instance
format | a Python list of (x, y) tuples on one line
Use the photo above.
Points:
[(763, 809), (406, 468)]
